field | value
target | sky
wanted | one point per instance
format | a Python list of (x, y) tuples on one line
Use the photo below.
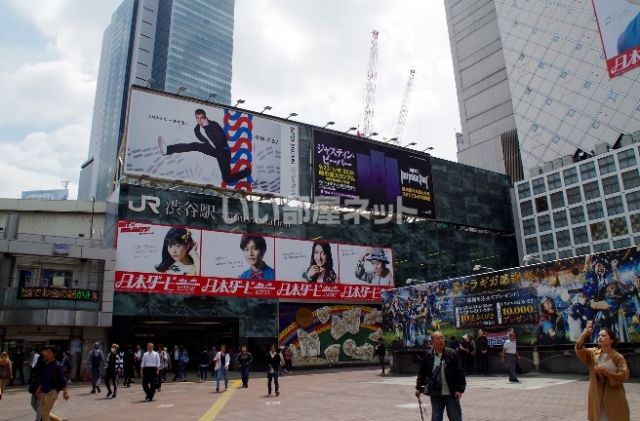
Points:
[(304, 56)]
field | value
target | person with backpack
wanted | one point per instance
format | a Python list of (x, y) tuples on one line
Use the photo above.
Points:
[(96, 359), (52, 382)]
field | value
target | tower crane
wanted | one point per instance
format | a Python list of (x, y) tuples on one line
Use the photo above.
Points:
[(404, 109), (366, 119)]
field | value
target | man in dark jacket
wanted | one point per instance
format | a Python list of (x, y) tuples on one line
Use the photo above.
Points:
[(244, 360), (52, 382), (452, 384), (274, 361), (212, 142)]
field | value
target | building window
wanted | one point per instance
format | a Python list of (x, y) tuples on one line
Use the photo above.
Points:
[(541, 204), (563, 239), (607, 165), (633, 201), (601, 247), (546, 242), (610, 185), (591, 190), (524, 190), (560, 219), (630, 179), (26, 277), (570, 176), (56, 278), (576, 214), (538, 185), (529, 226), (557, 200), (581, 251), (565, 254), (554, 181), (614, 206), (580, 235), (618, 227), (531, 244), (526, 208), (544, 223), (574, 196), (622, 243), (627, 159), (547, 257), (588, 171), (635, 222), (598, 231), (595, 210)]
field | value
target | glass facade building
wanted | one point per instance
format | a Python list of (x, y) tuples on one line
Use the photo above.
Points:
[(168, 45)]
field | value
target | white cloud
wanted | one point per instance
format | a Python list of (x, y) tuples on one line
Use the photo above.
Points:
[(307, 57)]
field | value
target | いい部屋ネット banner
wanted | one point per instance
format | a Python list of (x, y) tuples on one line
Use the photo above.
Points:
[(180, 140), (619, 24), (372, 176), (164, 259)]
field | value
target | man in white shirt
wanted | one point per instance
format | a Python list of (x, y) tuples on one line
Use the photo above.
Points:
[(150, 370), (510, 352)]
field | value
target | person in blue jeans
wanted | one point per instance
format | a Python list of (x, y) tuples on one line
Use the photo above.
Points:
[(221, 361), (244, 360), (443, 363)]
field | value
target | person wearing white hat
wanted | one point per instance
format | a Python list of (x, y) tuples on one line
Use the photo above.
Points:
[(381, 275)]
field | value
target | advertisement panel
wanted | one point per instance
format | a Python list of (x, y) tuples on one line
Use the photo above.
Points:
[(373, 176), (320, 334), (547, 304), (164, 259), (177, 139), (619, 24)]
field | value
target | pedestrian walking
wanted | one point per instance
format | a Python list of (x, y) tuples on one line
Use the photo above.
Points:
[(150, 365), (381, 352), (288, 359), (66, 366), (51, 384), (17, 361), (138, 360), (467, 351), (608, 370), (96, 359), (35, 377), (128, 362), (221, 361), (274, 362), (6, 372), (175, 359), (510, 356), (113, 367), (482, 353), (244, 360), (212, 355), (165, 364), (182, 363), (442, 378), (203, 366)]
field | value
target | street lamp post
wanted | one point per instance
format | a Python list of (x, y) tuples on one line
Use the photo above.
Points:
[(410, 144), (240, 101), (211, 95), (373, 134), (291, 115), (266, 108), (181, 90), (329, 123), (351, 129)]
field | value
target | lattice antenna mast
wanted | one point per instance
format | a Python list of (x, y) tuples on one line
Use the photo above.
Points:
[(404, 109), (370, 89)]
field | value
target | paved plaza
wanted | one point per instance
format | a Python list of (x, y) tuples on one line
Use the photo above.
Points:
[(344, 394)]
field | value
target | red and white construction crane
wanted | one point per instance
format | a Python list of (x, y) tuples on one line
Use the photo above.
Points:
[(404, 110), (366, 119)]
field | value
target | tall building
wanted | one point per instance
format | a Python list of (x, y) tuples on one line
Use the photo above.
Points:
[(171, 45), (533, 85)]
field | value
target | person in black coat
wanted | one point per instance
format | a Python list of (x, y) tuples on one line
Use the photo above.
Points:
[(274, 361), (212, 142), (443, 363)]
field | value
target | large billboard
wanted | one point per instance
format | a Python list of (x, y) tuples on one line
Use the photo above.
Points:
[(373, 176), (321, 334), (180, 140), (619, 24), (547, 304), (162, 259)]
